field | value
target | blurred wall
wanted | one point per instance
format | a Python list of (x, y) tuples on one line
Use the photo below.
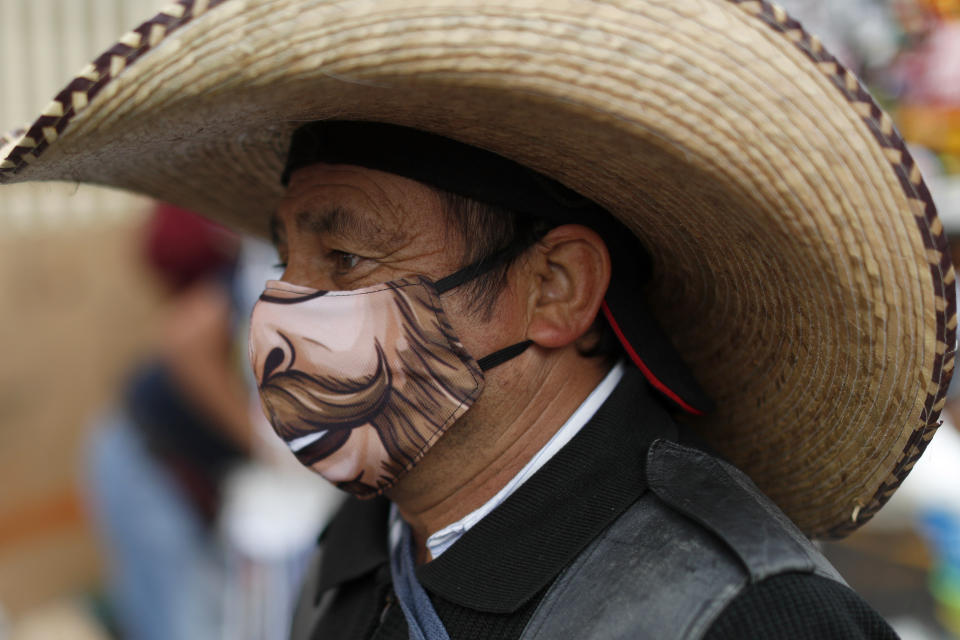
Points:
[(76, 307)]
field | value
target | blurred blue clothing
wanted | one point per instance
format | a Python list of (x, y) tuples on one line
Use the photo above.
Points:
[(165, 579), (179, 435), (163, 485)]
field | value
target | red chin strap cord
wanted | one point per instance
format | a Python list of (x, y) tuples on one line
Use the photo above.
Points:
[(637, 360)]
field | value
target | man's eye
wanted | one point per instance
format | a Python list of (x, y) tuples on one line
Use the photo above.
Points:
[(344, 261)]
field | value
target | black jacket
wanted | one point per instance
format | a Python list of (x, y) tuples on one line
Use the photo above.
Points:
[(488, 584)]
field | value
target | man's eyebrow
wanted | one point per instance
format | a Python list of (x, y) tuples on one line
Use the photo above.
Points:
[(338, 221)]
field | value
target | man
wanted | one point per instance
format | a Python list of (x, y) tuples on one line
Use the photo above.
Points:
[(548, 458), (534, 483)]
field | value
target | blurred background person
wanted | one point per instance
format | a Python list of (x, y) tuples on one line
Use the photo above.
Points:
[(196, 538), (159, 457)]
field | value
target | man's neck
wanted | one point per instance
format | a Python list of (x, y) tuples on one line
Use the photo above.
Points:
[(493, 441)]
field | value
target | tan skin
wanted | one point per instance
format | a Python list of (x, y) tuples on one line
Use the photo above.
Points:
[(387, 227)]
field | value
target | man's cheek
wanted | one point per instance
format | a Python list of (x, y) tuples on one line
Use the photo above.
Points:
[(363, 450)]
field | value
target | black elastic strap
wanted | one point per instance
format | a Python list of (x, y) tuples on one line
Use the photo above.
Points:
[(497, 358), (473, 270)]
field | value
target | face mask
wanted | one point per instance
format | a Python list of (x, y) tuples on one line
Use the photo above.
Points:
[(360, 384)]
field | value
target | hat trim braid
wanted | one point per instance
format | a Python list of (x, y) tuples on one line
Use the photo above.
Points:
[(931, 230)]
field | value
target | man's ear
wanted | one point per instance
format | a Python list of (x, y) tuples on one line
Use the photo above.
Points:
[(571, 272)]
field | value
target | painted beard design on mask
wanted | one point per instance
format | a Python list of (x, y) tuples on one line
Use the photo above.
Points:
[(360, 384)]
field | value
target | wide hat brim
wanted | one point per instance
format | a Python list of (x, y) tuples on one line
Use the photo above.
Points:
[(799, 265)]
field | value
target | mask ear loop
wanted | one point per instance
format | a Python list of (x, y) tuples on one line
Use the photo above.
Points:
[(497, 358), (467, 274), (473, 270)]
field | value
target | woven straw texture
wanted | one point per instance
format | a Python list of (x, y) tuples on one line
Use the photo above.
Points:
[(800, 266)]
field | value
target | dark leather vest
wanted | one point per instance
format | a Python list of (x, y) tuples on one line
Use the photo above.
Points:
[(677, 557), (668, 566)]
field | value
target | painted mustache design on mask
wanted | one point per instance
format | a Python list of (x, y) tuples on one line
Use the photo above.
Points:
[(298, 404), (360, 383)]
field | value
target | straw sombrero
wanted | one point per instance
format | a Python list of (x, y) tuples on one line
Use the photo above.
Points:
[(799, 264)]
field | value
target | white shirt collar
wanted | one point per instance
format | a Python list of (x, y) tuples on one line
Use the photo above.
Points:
[(444, 538)]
